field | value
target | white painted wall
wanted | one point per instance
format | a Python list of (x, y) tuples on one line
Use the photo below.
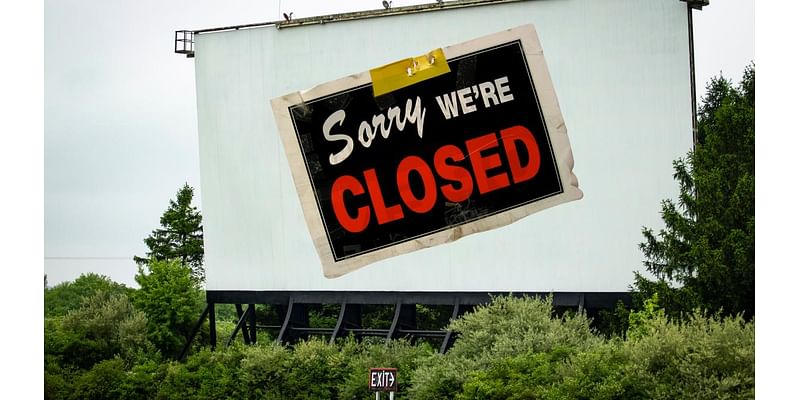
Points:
[(621, 74)]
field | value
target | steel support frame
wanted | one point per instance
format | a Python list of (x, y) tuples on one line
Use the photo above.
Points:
[(294, 323), (293, 310), (349, 319)]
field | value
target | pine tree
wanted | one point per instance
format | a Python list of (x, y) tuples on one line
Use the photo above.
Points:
[(180, 236), (708, 244)]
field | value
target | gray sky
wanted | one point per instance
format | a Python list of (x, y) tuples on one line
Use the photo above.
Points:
[(120, 116)]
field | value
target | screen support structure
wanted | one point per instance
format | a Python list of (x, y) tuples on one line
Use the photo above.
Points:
[(293, 313)]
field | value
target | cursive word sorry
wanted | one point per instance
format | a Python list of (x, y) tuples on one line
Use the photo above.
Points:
[(394, 118)]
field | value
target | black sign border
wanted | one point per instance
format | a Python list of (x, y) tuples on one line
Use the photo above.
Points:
[(496, 212)]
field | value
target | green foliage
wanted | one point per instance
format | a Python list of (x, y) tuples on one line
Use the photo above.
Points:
[(67, 296), (105, 326), (263, 369), (102, 382), (205, 375), (708, 243), (360, 357), (512, 325), (702, 358), (522, 376), (226, 312), (513, 348), (602, 372), (143, 380), (431, 317), (611, 323), (517, 349), (180, 236), (171, 298), (377, 316), (58, 379), (640, 322), (310, 362), (491, 336), (323, 315)]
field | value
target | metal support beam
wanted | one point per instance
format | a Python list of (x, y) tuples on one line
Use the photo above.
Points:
[(193, 333), (296, 317), (251, 309), (242, 322), (243, 315), (349, 318), (450, 336), (692, 79), (212, 325), (405, 317)]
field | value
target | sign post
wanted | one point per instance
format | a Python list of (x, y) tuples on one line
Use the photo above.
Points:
[(383, 380)]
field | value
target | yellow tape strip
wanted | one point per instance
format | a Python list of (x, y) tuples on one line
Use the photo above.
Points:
[(400, 74)]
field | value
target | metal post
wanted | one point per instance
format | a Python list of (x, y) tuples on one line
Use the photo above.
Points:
[(391, 395), (377, 395), (251, 308), (349, 317), (239, 324), (692, 75), (405, 316), (194, 332), (296, 317), (242, 323), (212, 326), (450, 336)]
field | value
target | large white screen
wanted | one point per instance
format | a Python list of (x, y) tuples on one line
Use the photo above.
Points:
[(621, 73)]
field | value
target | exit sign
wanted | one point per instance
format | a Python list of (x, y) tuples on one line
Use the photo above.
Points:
[(383, 379)]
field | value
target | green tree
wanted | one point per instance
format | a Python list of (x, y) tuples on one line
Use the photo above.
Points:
[(106, 325), (180, 235), (708, 244), (67, 296), (171, 297), (101, 382)]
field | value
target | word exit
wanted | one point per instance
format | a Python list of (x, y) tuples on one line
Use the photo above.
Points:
[(383, 379)]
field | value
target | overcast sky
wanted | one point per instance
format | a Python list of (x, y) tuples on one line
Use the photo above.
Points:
[(120, 115)]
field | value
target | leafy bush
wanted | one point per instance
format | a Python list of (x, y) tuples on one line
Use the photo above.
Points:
[(106, 325), (143, 381), (513, 325), (172, 299), (67, 296), (602, 372), (702, 358), (102, 382), (360, 357), (58, 379), (517, 348), (523, 376), (492, 336), (205, 375), (512, 348), (310, 362), (263, 370)]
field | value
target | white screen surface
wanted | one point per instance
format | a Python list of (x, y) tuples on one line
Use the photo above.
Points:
[(621, 74)]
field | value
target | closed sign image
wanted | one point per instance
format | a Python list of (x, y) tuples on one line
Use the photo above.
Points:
[(385, 166)]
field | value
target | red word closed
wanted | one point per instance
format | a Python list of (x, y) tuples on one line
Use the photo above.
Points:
[(487, 174)]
